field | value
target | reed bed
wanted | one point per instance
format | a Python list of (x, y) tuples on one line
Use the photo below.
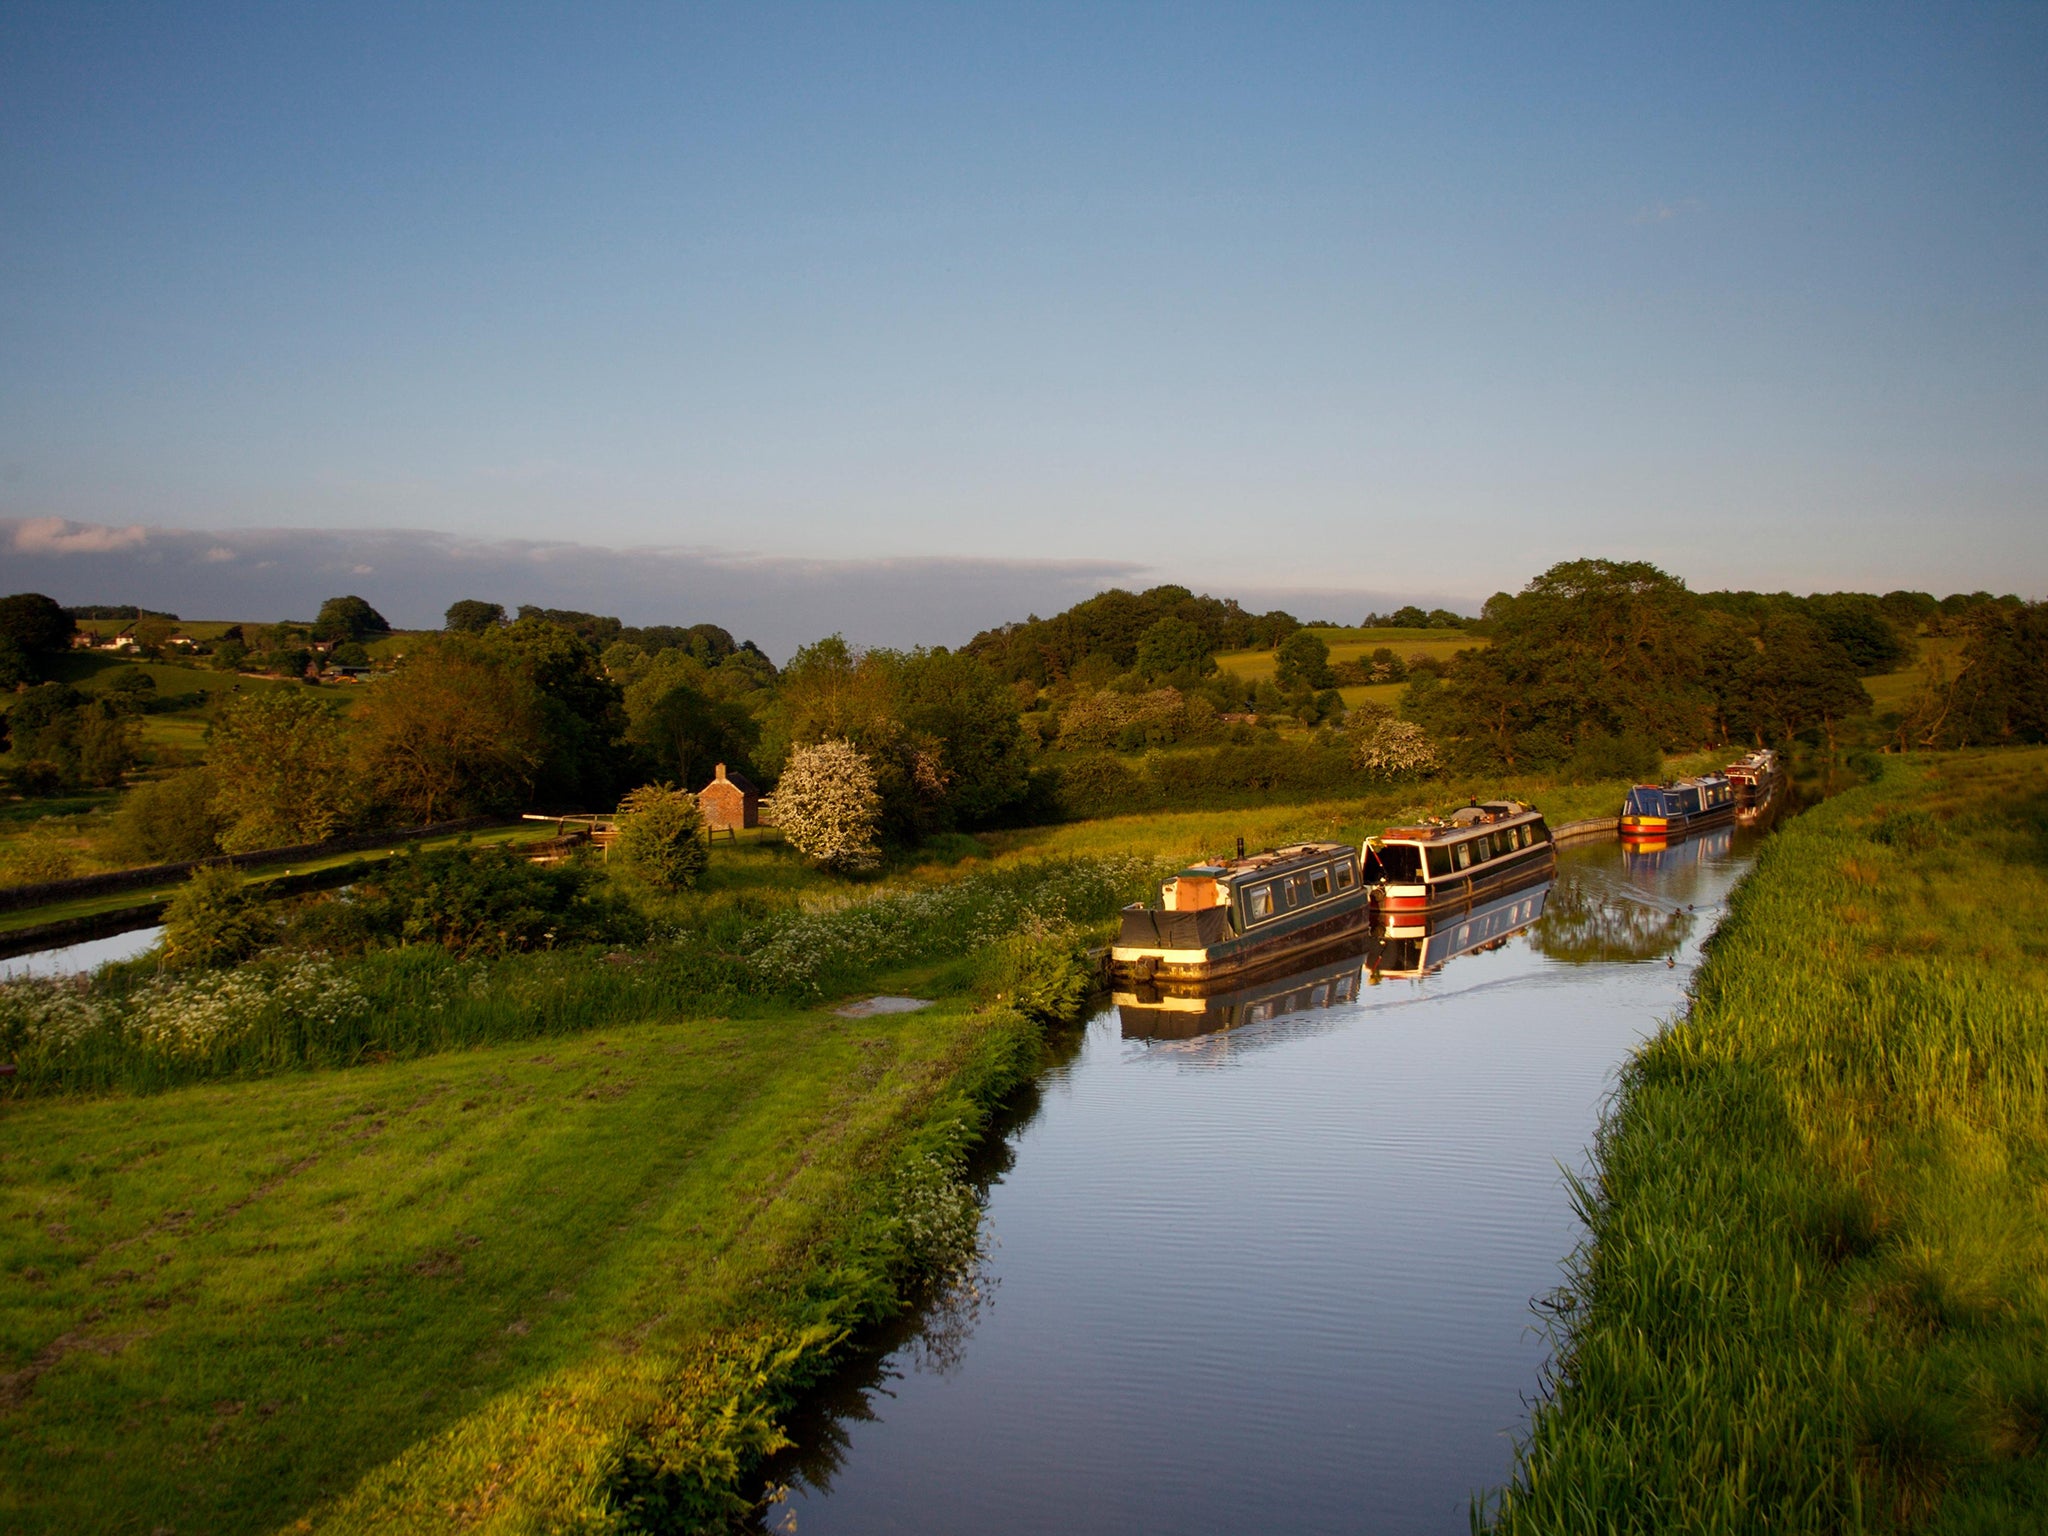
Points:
[(1813, 1293)]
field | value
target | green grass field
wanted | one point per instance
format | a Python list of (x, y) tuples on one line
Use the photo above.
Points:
[(392, 1297), (1813, 1297), (1352, 644)]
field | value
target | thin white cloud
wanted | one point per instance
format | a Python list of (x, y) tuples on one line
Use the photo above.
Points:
[(1665, 213), (56, 536), (220, 554)]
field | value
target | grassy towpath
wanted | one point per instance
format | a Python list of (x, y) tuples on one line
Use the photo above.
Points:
[(1814, 1297), (423, 1294)]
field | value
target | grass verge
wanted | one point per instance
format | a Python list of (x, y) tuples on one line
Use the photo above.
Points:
[(1812, 1293)]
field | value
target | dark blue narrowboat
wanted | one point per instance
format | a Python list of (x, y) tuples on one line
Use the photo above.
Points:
[(1666, 812), (1226, 920)]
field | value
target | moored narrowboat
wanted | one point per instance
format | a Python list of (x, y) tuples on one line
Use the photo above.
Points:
[(1445, 865), (1757, 778), (1671, 811), (1225, 920)]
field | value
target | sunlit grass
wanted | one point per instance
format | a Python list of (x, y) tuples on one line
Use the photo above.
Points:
[(1353, 644), (1812, 1298)]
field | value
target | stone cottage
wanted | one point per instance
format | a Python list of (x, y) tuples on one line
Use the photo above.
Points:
[(729, 802)]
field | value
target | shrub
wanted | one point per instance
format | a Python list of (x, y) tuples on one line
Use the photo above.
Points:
[(214, 920), (661, 837), (828, 806), (168, 821), (473, 901)]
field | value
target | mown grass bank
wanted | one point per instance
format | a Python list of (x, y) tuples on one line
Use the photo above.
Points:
[(1814, 1293), (564, 1286)]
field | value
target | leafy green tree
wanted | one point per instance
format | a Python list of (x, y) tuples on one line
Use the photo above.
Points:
[(661, 837), (1593, 648), (956, 700), (586, 759), (686, 734), (1303, 661), (1174, 650), (36, 625), (214, 919), (1857, 624), (474, 902), (348, 618), (456, 731), (1799, 681), (281, 762), (168, 821), (471, 617), (2000, 691)]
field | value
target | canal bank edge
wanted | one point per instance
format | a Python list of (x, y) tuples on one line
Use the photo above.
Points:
[(1809, 1297), (681, 1447)]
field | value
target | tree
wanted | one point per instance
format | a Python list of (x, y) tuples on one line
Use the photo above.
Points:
[(661, 837), (282, 768), (348, 618), (585, 759), (1591, 648), (1303, 661), (471, 617), (686, 734), (1385, 748), (958, 701), (456, 731), (1799, 681), (1857, 623), (827, 805), (1173, 650), (168, 821), (36, 624)]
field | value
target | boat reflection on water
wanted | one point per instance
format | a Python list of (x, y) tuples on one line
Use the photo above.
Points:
[(1656, 856), (1169, 1012), (1414, 951), (1408, 947)]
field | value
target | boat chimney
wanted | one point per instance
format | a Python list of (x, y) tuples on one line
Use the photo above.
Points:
[(1240, 847)]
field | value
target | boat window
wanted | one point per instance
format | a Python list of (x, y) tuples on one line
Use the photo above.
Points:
[(1258, 903), (1319, 883), (1439, 860), (1297, 889), (1463, 855), (1344, 875), (1400, 863), (1539, 832), (1503, 843)]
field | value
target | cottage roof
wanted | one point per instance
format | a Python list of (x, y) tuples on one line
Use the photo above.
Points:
[(736, 779)]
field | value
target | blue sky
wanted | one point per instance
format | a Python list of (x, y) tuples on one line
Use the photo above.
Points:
[(1379, 300)]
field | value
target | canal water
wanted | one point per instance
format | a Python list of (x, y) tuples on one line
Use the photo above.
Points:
[(1271, 1265)]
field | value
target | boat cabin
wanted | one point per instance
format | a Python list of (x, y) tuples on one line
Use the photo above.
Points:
[(1686, 800), (1475, 849), (1220, 919)]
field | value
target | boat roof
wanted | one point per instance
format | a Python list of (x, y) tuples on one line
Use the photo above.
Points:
[(1696, 782), (1466, 821), (1270, 861)]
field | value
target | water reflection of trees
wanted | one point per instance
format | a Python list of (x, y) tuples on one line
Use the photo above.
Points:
[(1588, 920)]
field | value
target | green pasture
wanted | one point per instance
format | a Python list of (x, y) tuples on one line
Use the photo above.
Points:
[(1812, 1297), (421, 1295), (1353, 644)]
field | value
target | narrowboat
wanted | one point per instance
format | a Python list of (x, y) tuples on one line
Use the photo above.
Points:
[(1667, 812), (1412, 947), (1757, 778), (1221, 922), (1183, 1013), (1447, 865)]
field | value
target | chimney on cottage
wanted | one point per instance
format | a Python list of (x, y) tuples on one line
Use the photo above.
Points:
[(720, 774)]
